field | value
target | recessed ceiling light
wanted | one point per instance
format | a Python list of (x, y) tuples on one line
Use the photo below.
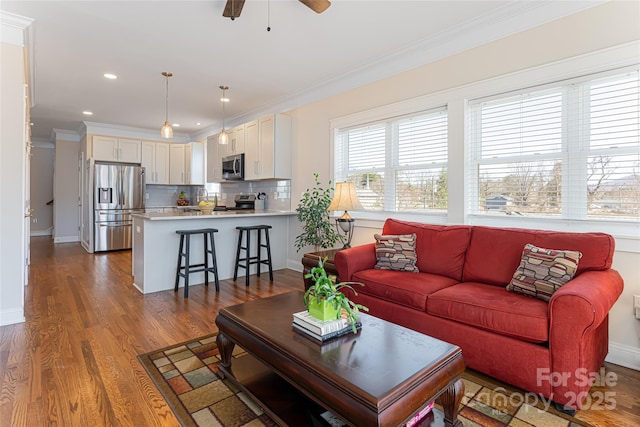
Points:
[(175, 124), (110, 76), (87, 113), (197, 123)]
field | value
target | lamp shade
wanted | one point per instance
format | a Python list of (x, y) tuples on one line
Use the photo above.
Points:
[(345, 198)]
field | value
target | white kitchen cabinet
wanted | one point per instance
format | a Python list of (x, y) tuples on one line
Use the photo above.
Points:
[(155, 159), (176, 164), (236, 143), (186, 164), (237, 140), (252, 150), (268, 148), (195, 163), (214, 162), (111, 149)]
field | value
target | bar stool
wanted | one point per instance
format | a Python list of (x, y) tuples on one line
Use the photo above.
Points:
[(186, 269), (248, 259)]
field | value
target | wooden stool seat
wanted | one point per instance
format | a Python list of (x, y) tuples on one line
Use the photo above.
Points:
[(257, 259), (184, 270)]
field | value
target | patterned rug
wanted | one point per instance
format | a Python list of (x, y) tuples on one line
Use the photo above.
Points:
[(186, 376)]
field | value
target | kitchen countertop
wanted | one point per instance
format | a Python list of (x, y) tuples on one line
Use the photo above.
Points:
[(215, 214)]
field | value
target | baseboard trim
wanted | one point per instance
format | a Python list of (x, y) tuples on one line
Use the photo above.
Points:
[(65, 239), (41, 233), (295, 265), (624, 355), (12, 316)]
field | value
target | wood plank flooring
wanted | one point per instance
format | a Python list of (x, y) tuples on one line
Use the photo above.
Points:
[(73, 362)]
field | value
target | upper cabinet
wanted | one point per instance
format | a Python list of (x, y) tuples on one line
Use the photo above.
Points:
[(236, 143), (214, 162), (186, 164), (155, 159), (111, 149), (268, 148)]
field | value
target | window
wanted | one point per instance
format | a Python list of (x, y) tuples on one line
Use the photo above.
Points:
[(398, 164), (569, 151)]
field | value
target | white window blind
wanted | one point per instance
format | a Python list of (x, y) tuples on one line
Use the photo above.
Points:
[(397, 165), (569, 151)]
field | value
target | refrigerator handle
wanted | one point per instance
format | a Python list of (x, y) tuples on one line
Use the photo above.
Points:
[(121, 173)]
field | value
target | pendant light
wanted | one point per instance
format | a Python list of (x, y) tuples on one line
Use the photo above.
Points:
[(166, 130), (223, 138)]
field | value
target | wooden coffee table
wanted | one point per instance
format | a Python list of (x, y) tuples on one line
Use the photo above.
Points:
[(380, 377)]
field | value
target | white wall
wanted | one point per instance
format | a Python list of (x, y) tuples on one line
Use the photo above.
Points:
[(604, 26), (66, 219), (41, 189), (11, 182)]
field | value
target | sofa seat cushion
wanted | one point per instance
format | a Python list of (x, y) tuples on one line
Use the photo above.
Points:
[(494, 309), (400, 287)]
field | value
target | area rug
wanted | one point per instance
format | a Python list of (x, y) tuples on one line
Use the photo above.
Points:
[(186, 376)]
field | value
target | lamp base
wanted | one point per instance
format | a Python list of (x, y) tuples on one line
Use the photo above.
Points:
[(345, 224)]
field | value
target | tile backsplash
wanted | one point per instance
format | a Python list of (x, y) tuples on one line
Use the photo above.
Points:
[(278, 193), (166, 195)]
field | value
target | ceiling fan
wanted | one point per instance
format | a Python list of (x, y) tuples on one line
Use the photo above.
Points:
[(233, 8)]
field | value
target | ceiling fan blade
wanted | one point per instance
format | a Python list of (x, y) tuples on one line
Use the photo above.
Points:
[(233, 8), (318, 6)]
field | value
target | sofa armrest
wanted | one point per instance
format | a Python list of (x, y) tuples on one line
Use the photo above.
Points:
[(579, 332), (351, 260), (586, 299)]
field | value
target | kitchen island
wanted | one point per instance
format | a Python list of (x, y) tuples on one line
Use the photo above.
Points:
[(155, 244)]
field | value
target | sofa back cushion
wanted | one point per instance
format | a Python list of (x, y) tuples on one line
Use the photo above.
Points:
[(440, 249), (494, 253)]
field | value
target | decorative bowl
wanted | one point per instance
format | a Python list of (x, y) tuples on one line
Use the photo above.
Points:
[(183, 202)]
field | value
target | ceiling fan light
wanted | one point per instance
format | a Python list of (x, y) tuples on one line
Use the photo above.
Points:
[(166, 131), (223, 138)]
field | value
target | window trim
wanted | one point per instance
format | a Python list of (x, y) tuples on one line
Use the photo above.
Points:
[(614, 59)]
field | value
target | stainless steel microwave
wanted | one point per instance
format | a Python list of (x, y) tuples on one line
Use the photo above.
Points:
[(233, 167)]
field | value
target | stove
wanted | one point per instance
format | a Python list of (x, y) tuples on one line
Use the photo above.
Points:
[(244, 202)]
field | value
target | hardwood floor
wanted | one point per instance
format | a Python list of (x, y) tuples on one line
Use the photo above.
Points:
[(73, 362)]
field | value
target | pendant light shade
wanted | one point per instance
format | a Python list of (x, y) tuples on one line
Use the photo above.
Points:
[(223, 138), (166, 131)]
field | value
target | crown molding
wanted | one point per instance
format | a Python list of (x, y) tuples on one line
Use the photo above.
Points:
[(18, 30), (64, 135), (95, 128), (510, 19), (41, 143), (13, 28)]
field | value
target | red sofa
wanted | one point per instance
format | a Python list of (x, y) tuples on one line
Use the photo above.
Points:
[(459, 295)]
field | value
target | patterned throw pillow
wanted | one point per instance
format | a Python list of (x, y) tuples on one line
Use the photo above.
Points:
[(543, 271), (396, 252)]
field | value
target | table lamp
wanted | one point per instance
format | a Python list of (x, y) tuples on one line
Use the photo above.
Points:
[(345, 198)]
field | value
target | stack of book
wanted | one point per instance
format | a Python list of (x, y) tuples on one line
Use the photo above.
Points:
[(306, 324)]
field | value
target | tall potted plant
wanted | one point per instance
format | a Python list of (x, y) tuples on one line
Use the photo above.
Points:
[(317, 228)]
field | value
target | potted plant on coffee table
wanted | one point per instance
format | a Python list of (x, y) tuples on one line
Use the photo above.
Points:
[(324, 298)]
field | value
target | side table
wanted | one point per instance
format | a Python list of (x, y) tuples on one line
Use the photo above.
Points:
[(311, 259)]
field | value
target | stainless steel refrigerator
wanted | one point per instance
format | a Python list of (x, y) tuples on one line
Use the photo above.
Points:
[(118, 192)]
